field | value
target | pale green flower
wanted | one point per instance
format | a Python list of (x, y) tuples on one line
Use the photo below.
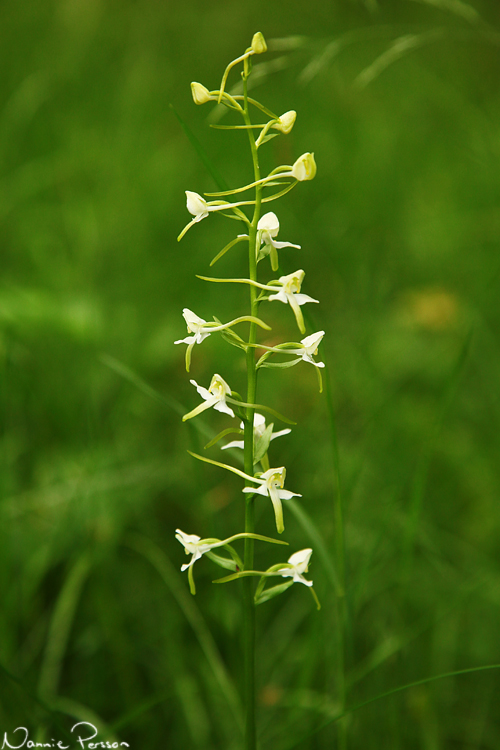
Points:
[(196, 326), (271, 485), (214, 397), (309, 348), (297, 565), (290, 294), (200, 208), (201, 329), (259, 427), (268, 228), (195, 546)]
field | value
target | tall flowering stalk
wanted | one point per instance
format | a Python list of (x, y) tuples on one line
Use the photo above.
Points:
[(260, 478)]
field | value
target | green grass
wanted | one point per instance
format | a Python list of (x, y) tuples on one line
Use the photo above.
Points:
[(399, 232)]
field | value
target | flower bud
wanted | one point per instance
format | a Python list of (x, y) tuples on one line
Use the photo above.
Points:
[(258, 43), (304, 168), (200, 93), (196, 205), (286, 122)]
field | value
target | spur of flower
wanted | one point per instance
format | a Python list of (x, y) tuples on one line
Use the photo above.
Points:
[(259, 428), (201, 329), (271, 484), (215, 396), (297, 565)]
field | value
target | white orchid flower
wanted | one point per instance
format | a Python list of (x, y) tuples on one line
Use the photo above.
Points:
[(200, 208), (197, 205), (297, 565), (271, 484), (268, 228), (196, 326), (195, 546), (259, 427), (310, 348), (215, 396), (290, 293), (201, 329)]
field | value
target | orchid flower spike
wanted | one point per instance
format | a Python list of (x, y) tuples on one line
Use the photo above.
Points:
[(268, 228), (215, 396), (298, 564), (290, 294), (271, 484), (259, 427)]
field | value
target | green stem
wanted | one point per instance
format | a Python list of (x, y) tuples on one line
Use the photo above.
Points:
[(248, 583), (342, 612)]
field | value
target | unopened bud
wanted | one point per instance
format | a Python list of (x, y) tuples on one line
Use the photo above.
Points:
[(304, 168), (286, 122), (258, 43), (200, 93)]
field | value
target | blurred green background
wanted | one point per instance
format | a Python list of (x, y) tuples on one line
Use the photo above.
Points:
[(400, 102)]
